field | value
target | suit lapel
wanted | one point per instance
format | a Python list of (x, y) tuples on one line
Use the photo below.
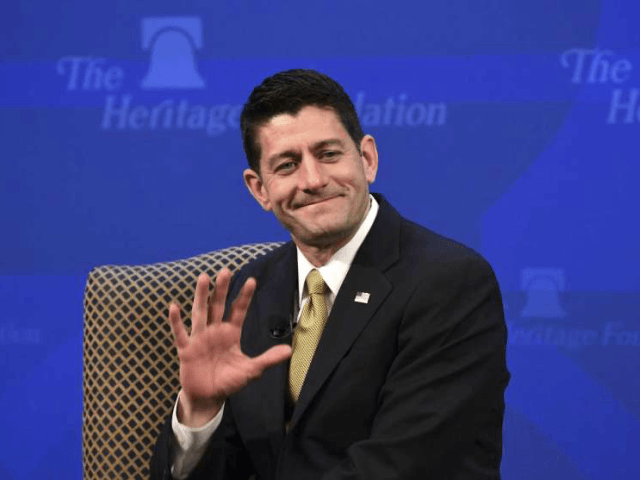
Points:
[(348, 317), (274, 305)]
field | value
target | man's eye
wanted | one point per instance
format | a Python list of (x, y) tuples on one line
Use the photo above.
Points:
[(286, 167), (330, 154)]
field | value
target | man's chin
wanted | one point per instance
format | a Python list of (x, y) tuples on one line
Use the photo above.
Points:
[(321, 238)]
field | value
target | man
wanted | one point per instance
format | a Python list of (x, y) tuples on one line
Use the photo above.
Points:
[(397, 369)]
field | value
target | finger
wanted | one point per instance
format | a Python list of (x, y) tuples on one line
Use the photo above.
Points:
[(220, 293), (177, 326), (199, 309), (271, 357), (241, 303)]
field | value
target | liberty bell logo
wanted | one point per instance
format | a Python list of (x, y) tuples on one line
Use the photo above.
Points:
[(172, 42), (543, 287)]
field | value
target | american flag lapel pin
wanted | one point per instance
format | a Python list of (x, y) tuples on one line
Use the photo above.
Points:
[(362, 297)]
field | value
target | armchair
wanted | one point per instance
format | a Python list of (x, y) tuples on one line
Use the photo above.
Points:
[(130, 375)]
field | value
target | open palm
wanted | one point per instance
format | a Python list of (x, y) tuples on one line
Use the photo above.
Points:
[(212, 365)]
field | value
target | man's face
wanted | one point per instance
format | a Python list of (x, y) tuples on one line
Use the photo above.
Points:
[(313, 176)]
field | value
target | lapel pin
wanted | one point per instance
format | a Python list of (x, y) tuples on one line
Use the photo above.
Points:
[(362, 297)]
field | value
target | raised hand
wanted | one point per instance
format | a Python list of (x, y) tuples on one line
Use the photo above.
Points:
[(212, 366)]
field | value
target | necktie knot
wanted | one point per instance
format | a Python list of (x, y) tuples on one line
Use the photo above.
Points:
[(315, 283)]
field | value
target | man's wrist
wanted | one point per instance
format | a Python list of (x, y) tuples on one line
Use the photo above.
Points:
[(190, 443), (196, 414)]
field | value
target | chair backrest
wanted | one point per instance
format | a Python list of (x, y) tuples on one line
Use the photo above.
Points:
[(130, 377)]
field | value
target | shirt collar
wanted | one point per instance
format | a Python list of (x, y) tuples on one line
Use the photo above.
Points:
[(335, 270)]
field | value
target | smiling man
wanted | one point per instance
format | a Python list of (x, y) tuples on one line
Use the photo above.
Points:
[(369, 347), (315, 179)]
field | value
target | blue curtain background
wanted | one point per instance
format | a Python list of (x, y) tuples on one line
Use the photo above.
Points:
[(512, 126)]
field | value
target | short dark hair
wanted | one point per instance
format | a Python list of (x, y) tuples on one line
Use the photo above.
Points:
[(288, 92)]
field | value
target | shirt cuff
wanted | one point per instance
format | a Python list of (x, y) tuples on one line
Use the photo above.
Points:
[(190, 442)]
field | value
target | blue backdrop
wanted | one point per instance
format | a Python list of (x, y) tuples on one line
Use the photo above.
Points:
[(512, 126)]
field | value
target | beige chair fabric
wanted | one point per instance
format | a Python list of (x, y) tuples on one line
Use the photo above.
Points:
[(130, 376)]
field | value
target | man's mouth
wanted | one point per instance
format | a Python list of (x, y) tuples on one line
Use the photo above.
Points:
[(317, 201)]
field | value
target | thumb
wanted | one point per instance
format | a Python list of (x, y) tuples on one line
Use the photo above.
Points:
[(272, 357)]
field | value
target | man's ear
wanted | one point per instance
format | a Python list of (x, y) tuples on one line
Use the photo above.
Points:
[(369, 154), (254, 183)]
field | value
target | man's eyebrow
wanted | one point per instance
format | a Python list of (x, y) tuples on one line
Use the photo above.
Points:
[(327, 143)]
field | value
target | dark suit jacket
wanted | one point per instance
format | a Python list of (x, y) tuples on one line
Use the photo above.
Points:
[(407, 386)]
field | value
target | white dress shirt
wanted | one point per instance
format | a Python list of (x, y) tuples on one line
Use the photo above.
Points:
[(191, 442)]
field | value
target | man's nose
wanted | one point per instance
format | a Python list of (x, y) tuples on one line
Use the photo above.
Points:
[(312, 174)]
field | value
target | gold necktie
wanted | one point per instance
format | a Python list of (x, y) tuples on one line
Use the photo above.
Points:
[(307, 333)]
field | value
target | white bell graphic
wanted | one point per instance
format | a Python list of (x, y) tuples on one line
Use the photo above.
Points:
[(173, 41), (543, 287)]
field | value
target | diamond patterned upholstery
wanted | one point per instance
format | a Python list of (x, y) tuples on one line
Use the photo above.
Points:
[(130, 376)]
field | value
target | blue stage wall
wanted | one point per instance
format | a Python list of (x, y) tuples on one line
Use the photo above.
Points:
[(511, 125)]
